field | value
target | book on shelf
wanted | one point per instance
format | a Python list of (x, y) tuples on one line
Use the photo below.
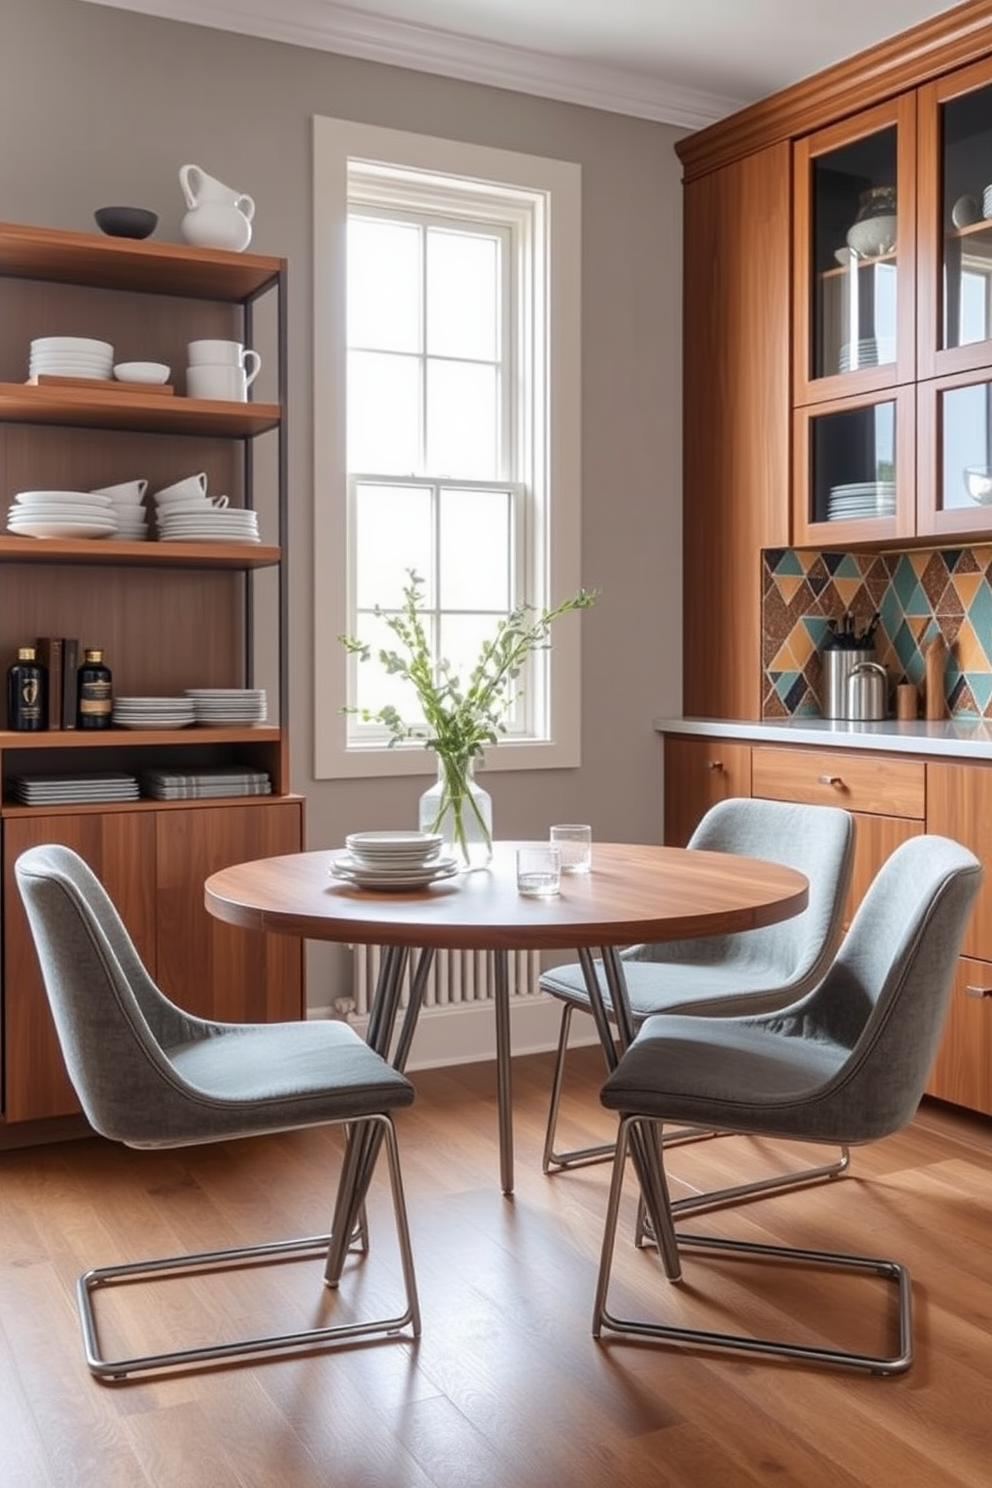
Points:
[(49, 650), (70, 667)]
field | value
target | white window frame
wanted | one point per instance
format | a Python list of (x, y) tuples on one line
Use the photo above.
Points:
[(337, 142)]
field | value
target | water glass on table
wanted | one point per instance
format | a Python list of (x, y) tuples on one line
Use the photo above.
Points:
[(539, 869), (575, 841)]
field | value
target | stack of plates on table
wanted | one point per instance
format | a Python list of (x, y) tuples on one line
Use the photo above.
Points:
[(71, 356), (211, 780), (61, 514), (861, 499), (71, 790), (153, 712), (870, 352), (212, 524), (218, 705), (393, 860)]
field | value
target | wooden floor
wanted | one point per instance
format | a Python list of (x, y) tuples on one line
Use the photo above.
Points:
[(506, 1388)]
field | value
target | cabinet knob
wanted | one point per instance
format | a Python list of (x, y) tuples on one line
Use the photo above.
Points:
[(829, 780), (971, 991), (714, 764)]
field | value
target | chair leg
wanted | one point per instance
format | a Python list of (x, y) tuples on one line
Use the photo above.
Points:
[(553, 1161), (244, 1256), (605, 1320)]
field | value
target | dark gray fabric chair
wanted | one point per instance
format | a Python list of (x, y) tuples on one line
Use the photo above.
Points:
[(742, 973), (149, 1074), (848, 1063)]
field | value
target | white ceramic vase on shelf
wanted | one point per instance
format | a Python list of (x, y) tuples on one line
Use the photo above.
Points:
[(218, 216), (461, 811)]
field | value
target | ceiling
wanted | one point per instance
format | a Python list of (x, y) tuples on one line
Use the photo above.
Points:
[(685, 62)]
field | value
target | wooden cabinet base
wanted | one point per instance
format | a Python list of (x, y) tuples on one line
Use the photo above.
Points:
[(962, 1071)]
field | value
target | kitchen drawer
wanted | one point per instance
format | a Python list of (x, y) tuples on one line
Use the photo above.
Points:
[(875, 783)]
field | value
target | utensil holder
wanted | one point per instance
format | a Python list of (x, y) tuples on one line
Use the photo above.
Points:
[(838, 664)]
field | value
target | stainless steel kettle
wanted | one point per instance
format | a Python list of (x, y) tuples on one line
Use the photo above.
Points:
[(866, 689)]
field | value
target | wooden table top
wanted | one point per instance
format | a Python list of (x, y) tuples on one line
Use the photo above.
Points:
[(635, 892)]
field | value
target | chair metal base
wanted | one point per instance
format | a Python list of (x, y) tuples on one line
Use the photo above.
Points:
[(554, 1162), (91, 1282), (604, 1319)]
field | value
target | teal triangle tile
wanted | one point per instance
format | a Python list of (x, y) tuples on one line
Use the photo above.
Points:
[(893, 614), (905, 647), (915, 601), (980, 615), (784, 682), (981, 689), (849, 567), (786, 562), (904, 581)]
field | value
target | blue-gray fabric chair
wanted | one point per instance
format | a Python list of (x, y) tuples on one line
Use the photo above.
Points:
[(748, 972), (148, 1074), (847, 1063)]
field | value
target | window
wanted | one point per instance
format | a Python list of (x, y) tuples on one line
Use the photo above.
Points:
[(446, 385)]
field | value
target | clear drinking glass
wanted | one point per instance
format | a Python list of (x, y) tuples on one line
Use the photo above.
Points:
[(539, 869), (575, 841)]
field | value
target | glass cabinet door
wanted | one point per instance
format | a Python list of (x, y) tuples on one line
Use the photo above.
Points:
[(955, 292), (854, 471), (855, 254), (955, 454)]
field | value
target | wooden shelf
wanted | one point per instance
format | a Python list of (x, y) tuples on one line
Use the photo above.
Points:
[(22, 402), (102, 262), (197, 733), (153, 554)]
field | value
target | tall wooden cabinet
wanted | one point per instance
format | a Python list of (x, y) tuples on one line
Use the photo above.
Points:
[(169, 615)]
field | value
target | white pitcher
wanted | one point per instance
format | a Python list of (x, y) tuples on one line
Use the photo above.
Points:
[(218, 217)]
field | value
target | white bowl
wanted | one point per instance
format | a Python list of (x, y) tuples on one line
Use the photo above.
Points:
[(872, 236), (978, 483), (142, 372)]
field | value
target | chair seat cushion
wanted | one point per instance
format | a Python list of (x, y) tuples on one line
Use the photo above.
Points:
[(732, 1073), (676, 987)]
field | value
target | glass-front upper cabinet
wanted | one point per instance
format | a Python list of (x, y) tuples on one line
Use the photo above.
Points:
[(955, 222), (954, 452), (855, 254), (855, 468)]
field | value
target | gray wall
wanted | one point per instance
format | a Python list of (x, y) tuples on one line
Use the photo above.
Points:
[(99, 105)]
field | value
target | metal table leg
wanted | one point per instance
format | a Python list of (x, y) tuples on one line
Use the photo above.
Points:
[(504, 1077)]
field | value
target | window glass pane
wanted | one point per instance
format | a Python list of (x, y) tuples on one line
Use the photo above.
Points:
[(475, 550), (383, 413), (374, 686), (462, 639), (392, 535), (383, 285), (462, 421), (462, 295)]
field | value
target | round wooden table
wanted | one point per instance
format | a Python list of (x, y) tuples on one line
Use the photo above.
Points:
[(633, 893)]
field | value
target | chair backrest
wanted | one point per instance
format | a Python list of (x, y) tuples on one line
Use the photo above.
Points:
[(886, 995), (111, 1018), (818, 841)]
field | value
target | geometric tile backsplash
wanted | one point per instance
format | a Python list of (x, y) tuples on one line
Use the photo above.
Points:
[(916, 594)]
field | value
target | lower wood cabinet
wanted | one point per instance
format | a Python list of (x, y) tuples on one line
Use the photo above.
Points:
[(153, 864), (698, 774)]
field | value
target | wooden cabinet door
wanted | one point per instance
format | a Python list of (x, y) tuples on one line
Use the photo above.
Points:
[(959, 805), (120, 848), (962, 1071), (698, 773), (875, 839), (216, 970)]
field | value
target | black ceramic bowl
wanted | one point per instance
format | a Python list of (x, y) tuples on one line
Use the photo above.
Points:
[(126, 222)]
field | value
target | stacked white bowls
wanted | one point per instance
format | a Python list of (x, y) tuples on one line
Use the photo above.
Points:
[(71, 356)]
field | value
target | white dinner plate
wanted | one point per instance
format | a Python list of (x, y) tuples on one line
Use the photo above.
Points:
[(364, 877), (91, 499), (40, 528)]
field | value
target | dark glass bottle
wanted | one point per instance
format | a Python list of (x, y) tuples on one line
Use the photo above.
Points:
[(26, 702), (95, 692)]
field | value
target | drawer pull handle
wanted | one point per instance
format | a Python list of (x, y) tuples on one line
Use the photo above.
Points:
[(829, 780), (714, 764), (971, 991)]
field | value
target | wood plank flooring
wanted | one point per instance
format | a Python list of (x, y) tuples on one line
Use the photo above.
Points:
[(506, 1388)]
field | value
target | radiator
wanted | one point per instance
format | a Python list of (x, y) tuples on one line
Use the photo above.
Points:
[(457, 978)]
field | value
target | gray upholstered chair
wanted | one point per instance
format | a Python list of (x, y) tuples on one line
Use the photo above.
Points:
[(748, 972), (847, 1063), (149, 1074)]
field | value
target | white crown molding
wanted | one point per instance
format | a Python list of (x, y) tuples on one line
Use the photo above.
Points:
[(334, 28)]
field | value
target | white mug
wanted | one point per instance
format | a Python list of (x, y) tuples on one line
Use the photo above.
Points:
[(225, 354), (190, 485), (173, 505), (217, 380)]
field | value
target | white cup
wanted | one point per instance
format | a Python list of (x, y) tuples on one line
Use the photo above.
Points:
[(127, 493), (539, 869), (224, 354), (218, 380), (190, 485), (174, 505), (575, 841)]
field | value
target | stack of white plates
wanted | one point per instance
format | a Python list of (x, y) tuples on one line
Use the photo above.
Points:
[(61, 514), (153, 712), (870, 352), (132, 519), (71, 356), (219, 705), (861, 499), (208, 782), (213, 524), (70, 790), (393, 860)]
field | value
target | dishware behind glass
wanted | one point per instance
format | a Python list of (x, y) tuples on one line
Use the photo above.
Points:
[(575, 841), (539, 869)]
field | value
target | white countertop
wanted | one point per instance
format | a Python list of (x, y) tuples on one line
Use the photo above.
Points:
[(947, 739)]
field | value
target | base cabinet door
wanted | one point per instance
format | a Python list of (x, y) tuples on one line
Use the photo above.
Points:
[(962, 1071), (698, 774), (120, 848)]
